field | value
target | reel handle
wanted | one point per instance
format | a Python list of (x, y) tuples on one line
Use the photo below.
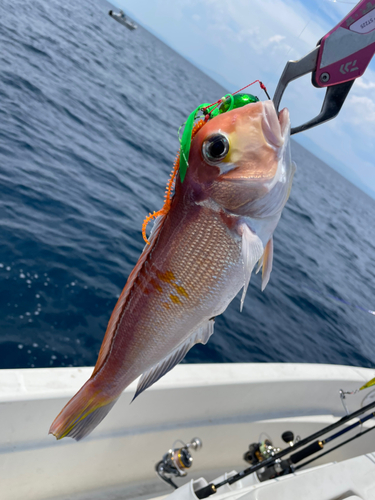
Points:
[(287, 437)]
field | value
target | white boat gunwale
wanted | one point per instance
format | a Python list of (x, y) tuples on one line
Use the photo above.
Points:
[(226, 405)]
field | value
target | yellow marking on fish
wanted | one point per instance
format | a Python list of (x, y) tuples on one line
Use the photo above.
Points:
[(175, 299), (83, 415), (168, 276), (166, 305), (181, 290)]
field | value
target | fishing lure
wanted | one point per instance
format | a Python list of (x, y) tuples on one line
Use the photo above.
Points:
[(227, 103), (193, 124)]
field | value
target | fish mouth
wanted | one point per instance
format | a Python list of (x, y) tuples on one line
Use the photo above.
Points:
[(275, 127)]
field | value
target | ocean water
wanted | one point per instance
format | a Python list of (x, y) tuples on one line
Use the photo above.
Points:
[(89, 114)]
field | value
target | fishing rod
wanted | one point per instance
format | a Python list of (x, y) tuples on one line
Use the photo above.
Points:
[(318, 445), (314, 447), (334, 448), (284, 467)]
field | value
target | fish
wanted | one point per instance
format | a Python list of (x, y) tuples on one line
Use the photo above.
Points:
[(201, 253)]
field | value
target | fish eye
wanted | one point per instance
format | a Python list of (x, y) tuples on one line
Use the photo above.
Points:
[(215, 148)]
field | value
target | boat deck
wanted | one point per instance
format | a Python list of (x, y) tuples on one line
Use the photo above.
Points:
[(227, 406)]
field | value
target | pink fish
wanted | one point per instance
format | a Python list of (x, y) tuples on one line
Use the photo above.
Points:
[(202, 252)]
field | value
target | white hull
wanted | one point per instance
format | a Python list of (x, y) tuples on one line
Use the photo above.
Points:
[(227, 406)]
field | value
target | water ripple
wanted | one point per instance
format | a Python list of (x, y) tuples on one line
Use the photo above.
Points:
[(88, 136)]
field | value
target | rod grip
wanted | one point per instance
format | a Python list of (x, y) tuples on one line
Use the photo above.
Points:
[(205, 492), (306, 452)]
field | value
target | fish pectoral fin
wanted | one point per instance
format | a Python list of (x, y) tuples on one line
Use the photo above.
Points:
[(252, 251), (259, 266), (155, 230), (267, 263), (199, 336)]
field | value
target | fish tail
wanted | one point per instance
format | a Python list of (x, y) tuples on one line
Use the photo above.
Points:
[(82, 413)]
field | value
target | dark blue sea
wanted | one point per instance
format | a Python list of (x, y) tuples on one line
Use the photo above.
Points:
[(89, 114)]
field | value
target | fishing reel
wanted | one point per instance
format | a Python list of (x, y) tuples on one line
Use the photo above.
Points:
[(175, 462), (264, 449)]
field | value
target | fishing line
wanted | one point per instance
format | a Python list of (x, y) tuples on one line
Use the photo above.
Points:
[(308, 22), (343, 394), (220, 101), (290, 48), (335, 448)]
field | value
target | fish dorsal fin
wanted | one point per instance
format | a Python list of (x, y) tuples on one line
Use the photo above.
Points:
[(199, 336), (267, 263), (118, 310), (252, 251)]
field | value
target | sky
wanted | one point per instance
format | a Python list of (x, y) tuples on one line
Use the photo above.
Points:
[(238, 41)]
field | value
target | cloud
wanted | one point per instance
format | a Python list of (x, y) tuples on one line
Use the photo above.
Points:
[(276, 39), (243, 41), (362, 111), (362, 84), (359, 108)]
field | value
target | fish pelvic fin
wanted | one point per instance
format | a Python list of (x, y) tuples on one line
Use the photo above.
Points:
[(267, 263), (199, 336), (252, 251), (81, 414), (259, 265)]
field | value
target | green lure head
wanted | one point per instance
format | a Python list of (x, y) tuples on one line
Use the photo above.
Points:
[(236, 101), (229, 102)]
